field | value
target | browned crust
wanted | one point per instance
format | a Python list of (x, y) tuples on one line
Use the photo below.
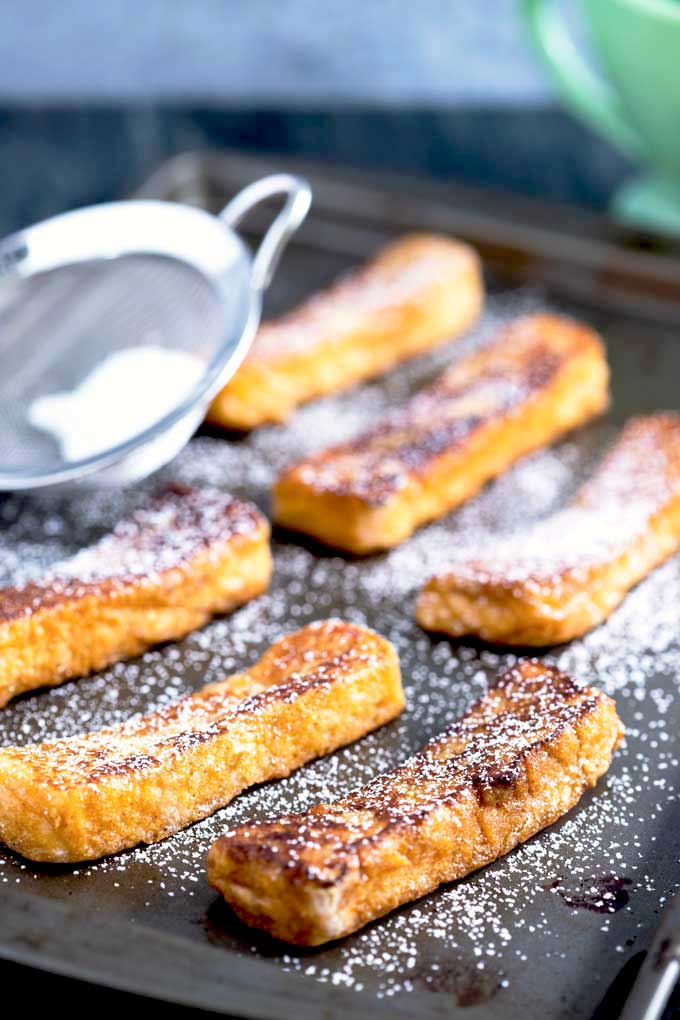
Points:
[(416, 293), (312, 692), (520, 759), (161, 573), (543, 376), (567, 574)]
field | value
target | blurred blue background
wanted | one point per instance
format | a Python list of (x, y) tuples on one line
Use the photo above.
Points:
[(94, 96), (271, 52)]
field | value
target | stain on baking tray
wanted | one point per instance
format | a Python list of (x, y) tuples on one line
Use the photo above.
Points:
[(606, 894), (461, 979)]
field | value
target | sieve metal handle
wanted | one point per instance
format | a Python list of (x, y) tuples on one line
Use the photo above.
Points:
[(296, 207)]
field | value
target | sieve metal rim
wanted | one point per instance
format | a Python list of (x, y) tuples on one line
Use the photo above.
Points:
[(22, 255)]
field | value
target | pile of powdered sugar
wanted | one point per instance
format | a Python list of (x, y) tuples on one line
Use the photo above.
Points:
[(585, 890), (131, 390)]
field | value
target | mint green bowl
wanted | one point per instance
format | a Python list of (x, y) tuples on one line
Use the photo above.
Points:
[(634, 102)]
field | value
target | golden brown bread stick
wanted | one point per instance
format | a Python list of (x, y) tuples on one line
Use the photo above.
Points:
[(161, 573), (418, 292), (518, 761), (311, 692), (543, 376), (565, 575)]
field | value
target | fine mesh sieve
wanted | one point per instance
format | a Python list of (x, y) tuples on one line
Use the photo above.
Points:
[(136, 287)]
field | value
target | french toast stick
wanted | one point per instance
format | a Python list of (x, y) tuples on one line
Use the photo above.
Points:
[(567, 574), (310, 693), (417, 293), (519, 759), (161, 573), (543, 376)]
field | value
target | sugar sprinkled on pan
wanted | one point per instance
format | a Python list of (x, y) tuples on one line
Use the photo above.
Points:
[(586, 889)]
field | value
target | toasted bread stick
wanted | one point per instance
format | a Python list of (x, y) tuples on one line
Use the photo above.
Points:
[(417, 293), (160, 574), (312, 692), (514, 764), (565, 575), (543, 376)]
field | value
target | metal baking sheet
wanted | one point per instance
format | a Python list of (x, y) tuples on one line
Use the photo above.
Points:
[(553, 930)]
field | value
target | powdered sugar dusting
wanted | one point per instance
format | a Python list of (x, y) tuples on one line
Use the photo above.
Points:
[(400, 275), (490, 934), (166, 533), (638, 479)]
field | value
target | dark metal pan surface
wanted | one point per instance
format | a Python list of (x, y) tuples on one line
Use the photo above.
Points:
[(542, 933)]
